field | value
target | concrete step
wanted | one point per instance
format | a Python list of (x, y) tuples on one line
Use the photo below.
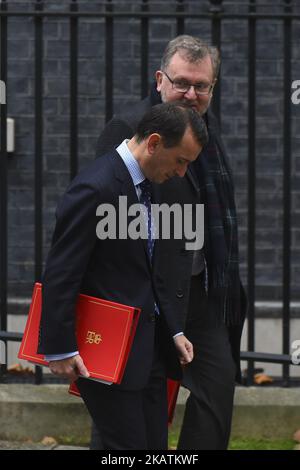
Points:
[(31, 412)]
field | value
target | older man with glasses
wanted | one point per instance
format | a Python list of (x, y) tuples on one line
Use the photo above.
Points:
[(181, 86), (205, 288)]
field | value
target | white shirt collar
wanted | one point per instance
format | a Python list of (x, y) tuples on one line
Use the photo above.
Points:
[(131, 163)]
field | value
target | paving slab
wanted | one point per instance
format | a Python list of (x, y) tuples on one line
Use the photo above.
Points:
[(70, 448), (16, 445)]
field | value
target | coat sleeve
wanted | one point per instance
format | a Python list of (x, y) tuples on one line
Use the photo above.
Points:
[(72, 245), (113, 135)]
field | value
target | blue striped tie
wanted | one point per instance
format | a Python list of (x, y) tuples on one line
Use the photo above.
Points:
[(145, 199)]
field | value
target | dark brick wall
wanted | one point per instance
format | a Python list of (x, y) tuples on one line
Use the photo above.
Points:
[(91, 104)]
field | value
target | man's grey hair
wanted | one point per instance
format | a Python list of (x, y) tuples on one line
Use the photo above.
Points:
[(193, 49)]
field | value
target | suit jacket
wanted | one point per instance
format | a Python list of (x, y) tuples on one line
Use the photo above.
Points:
[(174, 262), (113, 269)]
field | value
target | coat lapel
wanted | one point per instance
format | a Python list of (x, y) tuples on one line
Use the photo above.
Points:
[(127, 189)]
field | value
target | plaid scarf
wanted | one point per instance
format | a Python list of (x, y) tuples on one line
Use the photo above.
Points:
[(221, 235)]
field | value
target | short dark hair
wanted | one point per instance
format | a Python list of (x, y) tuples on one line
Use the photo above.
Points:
[(170, 121), (193, 49)]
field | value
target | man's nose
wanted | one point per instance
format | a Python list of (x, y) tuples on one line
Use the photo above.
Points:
[(191, 94), (181, 171)]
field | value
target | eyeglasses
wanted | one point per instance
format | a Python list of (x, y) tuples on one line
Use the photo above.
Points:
[(182, 86)]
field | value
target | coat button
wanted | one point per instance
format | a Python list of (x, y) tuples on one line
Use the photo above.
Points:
[(179, 293), (151, 317)]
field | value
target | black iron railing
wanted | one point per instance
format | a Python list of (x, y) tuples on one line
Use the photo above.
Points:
[(215, 13)]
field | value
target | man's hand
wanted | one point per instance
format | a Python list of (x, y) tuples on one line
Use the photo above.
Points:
[(70, 368), (185, 349)]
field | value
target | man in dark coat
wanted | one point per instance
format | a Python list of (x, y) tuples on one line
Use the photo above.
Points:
[(208, 291), (132, 414)]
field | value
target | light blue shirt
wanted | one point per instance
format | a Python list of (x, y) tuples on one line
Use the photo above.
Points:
[(137, 177), (132, 165)]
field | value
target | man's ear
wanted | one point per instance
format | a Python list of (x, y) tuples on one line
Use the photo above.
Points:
[(159, 77), (153, 142)]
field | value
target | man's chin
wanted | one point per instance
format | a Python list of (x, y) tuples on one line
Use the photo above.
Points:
[(196, 108), (201, 110), (159, 179), (164, 178)]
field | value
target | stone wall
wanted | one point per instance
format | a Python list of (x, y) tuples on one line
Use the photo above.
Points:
[(126, 86)]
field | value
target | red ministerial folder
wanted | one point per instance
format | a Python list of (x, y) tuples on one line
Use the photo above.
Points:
[(104, 330), (172, 391)]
